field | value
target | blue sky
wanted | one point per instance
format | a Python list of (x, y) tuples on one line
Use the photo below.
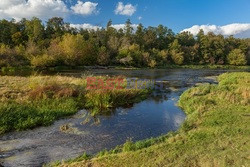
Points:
[(176, 14), (219, 16)]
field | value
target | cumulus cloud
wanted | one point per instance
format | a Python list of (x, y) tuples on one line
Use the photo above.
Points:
[(85, 8), (127, 9), (236, 29), (85, 26), (43, 9), (7, 3)]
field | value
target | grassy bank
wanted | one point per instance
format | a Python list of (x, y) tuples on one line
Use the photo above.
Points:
[(215, 133), (28, 102)]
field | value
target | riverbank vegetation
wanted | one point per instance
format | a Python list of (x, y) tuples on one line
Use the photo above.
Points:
[(28, 102), (215, 133), (32, 43)]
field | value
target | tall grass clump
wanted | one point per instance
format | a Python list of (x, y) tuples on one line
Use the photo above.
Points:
[(27, 102), (104, 100)]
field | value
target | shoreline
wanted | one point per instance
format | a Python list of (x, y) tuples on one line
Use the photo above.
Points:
[(62, 68), (196, 129)]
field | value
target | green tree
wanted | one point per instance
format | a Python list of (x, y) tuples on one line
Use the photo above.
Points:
[(161, 33), (237, 57), (55, 27), (128, 29), (150, 38), (139, 34), (176, 53), (34, 29), (103, 56), (186, 39), (76, 51)]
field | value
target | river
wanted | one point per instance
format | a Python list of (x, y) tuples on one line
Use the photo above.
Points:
[(153, 117)]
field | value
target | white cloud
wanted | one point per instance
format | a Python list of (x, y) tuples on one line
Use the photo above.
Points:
[(93, 27), (7, 3), (85, 8), (236, 29), (122, 26), (139, 18), (127, 9), (85, 26), (43, 9)]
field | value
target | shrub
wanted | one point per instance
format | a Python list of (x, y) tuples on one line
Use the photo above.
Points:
[(43, 61), (11, 57), (152, 63), (128, 146)]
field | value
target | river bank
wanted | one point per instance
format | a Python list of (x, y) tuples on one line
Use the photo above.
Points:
[(29, 70), (215, 133)]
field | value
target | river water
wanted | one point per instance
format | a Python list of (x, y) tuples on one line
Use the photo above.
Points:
[(153, 117)]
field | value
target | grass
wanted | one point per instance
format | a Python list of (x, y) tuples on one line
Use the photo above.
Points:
[(28, 102), (215, 133)]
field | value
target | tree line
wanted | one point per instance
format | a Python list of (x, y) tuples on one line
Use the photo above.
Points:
[(32, 43)]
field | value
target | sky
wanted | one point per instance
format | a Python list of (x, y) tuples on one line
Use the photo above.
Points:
[(226, 17)]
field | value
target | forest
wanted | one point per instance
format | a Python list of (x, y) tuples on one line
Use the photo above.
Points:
[(55, 43)]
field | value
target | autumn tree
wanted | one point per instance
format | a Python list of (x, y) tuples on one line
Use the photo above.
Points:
[(236, 57), (176, 53)]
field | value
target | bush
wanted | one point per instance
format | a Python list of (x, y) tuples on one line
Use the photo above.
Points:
[(237, 57), (12, 57), (43, 61), (152, 63)]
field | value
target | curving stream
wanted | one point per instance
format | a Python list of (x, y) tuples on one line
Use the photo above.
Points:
[(155, 116)]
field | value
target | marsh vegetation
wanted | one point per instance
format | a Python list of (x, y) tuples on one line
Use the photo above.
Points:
[(28, 102)]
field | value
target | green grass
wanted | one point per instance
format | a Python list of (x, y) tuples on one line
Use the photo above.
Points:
[(28, 102), (215, 133), (16, 116)]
